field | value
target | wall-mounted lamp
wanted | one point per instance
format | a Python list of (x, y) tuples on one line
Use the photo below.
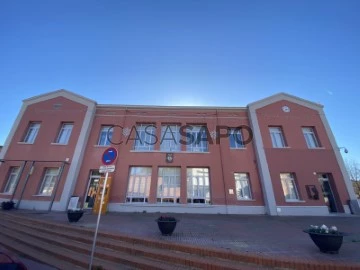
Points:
[(345, 149)]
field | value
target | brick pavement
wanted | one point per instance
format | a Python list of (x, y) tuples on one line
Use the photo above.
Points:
[(265, 235)]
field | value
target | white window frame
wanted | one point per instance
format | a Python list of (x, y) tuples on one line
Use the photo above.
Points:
[(12, 180), (168, 188), (234, 143), (105, 132), (143, 140), (139, 182), (288, 180), (198, 186), (32, 132), (170, 141), (202, 146), (65, 133), (310, 137), (277, 137), (242, 186), (49, 181)]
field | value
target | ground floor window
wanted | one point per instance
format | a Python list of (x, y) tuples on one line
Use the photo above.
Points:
[(168, 189), (198, 187), (12, 180), (289, 186), (242, 185), (139, 184), (49, 181)]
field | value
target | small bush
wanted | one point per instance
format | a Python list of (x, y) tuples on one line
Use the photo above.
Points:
[(166, 218), (8, 205)]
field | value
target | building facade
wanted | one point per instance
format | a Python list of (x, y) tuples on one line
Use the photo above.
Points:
[(276, 156)]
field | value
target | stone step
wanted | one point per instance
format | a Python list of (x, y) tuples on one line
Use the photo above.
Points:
[(48, 252), (35, 254), (110, 259), (178, 257), (136, 240)]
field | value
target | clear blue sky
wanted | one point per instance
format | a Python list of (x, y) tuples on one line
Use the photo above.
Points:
[(226, 53)]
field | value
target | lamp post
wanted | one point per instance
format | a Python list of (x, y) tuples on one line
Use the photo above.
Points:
[(345, 149)]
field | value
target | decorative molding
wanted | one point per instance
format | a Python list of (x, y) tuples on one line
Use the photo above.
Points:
[(77, 158), (60, 93), (264, 172), (10, 137)]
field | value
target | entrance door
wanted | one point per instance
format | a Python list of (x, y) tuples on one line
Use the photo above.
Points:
[(92, 188), (327, 192)]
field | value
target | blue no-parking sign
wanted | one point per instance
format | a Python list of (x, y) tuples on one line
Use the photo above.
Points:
[(109, 156)]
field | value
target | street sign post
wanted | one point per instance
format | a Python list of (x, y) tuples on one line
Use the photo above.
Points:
[(108, 158)]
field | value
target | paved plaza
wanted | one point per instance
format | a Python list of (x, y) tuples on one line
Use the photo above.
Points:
[(263, 235)]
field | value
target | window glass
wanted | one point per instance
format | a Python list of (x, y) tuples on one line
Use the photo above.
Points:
[(310, 137), (289, 186), (242, 185), (12, 180), (32, 132), (198, 188), (236, 139), (170, 138), (49, 181), (139, 184), (145, 138), (106, 133), (168, 189), (199, 142), (64, 134), (277, 137)]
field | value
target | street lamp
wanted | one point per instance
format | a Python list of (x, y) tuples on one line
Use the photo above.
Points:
[(345, 149)]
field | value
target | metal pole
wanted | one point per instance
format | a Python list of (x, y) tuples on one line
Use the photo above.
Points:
[(98, 221), (26, 180), (18, 179), (56, 185)]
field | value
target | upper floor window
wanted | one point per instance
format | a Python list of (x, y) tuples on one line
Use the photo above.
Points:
[(242, 185), (12, 180), (64, 134), (310, 137), (277, 137), (49, 181), (288, 184), (197, 139), (32, 132), (145, 137), (106, 133), (170, 138), (236, 139)]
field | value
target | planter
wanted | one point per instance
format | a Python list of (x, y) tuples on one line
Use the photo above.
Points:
[(327, 243), (7, 205), (166, 227), (74, 216)]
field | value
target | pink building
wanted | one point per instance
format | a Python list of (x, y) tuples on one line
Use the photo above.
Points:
[(276, 156)]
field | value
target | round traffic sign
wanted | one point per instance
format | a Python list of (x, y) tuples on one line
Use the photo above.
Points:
[(109, 156)]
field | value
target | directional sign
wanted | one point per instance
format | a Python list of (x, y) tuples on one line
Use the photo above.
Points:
[(105, 168), (109, 156)]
